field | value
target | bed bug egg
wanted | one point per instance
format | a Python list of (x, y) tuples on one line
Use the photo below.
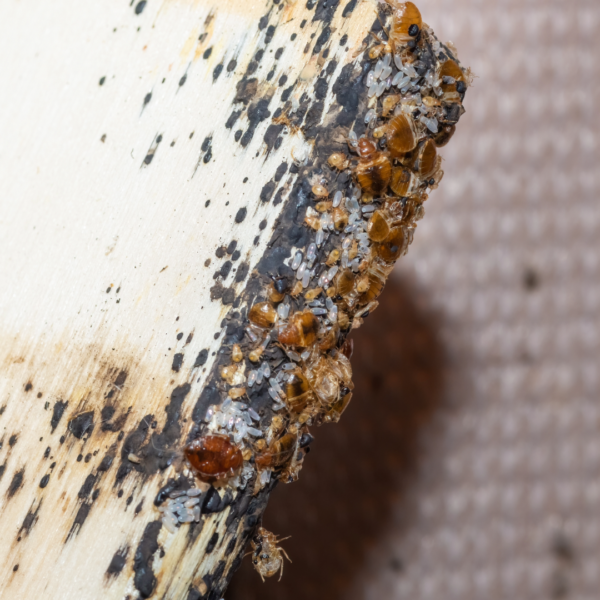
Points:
[(214, 457), (401, 135), (301, 331), (378, 228), (263, 315), (406, 22), (338, 160)]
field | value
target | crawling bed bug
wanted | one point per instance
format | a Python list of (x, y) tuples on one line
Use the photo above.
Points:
[(263, 315), (214, 457), (267, 555), (301, 331), (406, 22), (277, 453), (374, 168), (401, 136)]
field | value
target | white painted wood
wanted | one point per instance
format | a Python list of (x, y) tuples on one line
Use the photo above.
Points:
[(81, 213)]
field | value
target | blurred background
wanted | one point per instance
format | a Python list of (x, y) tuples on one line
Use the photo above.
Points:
[(468, 465)]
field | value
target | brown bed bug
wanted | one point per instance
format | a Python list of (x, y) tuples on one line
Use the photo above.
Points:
[(297, 391), (374, 168), (301, 331), (401, 135), (263, 315), (267, 555), (406, 22), (277, 453), (214, 457)]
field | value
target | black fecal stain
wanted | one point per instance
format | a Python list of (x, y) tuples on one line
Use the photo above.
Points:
[(47, 452), (139, 7), (272, 134), (44, 481), (30, 520), (131, 445), (246, 90), (310, 4), (228, 297), (207, 53), (212, 543), (211, 502), (216, 291), (57, 413), (102, 80), (321, 88), (236, 255), (241, 214), (262, 224), (257, 113), (313, 119), (177, 362), (144, 579), (242, 272), (348, 9), (267, 191), (231, 65), (270, 74), (231, 247), (28, 386), (106, 463), (279, 53), (2, 469), (201, 358), (259, 55), (269, 34), (179, 335), (217, 71), (87, 487), (347, 88), (147, 99), (285, 95), (344, 38), (233, 117), (182, 80), (16, 483), (226, 269), (82, 424), (138, 508), (322, 39), (117, 562), (12, 440), (263, 22), (331, 67), (325, 10)]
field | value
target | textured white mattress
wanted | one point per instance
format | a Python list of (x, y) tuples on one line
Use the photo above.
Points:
[(468, 465)]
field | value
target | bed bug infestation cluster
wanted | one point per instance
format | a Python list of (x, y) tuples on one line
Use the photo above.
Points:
[(360, 225)]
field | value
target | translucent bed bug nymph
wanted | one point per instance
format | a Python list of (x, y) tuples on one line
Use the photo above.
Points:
[(267, 555), (214, 457)]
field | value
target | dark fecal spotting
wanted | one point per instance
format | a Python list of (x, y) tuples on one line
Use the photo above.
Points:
[(179, 335), (348, 9), (263, 22), (144, 578), (147, 98), (87, 487), (57, 413), (267, 191), (231, 247), (148, 158), (206, 204), (117, 562), (102, 80), (189, 338), (303, 23), (80, 518), (270, 74), (344, 38), (12, 440), (242, 272), (207, 262), (285, 95), (138, 508), (44, 481), (82, 424), (28, 386), (217, 71), (233, 117), (262, 224), (256, 240), (15, 568), (282, 80), (201, 358), (231, 65), (182, 80), (207, 53), (241, 214), (16, 483), (322, 39), (177, 362), (270, 33), (212, 543), (236, 255), (139, 7), (293, 36), (39, 395), (278, 53), (238, 135), (30, 520)]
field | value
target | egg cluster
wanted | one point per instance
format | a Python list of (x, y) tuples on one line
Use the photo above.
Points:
[(360, 224)]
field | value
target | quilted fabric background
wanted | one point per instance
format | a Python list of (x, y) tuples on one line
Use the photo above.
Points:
[(468, 465)]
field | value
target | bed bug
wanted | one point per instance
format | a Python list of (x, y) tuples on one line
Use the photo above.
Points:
[(390, 250), (444, 135), (338, 160), (426, 159), (374, 168), (267, 555), (320, 191), (406, 22), (214, 457), (451, 69), (301, 331), (345, 282), (403, 181), (379, 226), (378, 274), (236, 353), (297, 391), (263, 315), (277, 453), (328, 375), (401, 136)]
